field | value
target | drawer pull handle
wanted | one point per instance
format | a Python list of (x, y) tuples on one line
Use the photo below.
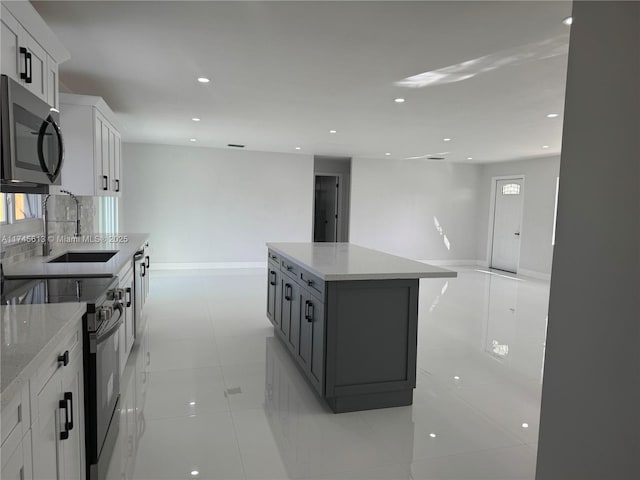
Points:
[(105, 182), (287, 292), (288, 267), (272, 282), (128, 292), (64, 358), (307, 281)]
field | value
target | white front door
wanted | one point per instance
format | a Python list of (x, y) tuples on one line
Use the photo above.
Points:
[(506, 224)]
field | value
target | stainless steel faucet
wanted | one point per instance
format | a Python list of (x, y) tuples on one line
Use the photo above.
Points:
[(46, 245), (77, 234)]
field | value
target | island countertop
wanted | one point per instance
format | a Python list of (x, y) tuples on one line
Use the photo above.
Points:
[(29, 334), (346, 261), (38, 266)]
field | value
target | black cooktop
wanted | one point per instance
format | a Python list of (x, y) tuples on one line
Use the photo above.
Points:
[(56, 290)]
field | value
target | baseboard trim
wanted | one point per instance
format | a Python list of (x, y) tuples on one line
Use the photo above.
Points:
[(534, 274), (207, 265), (452, 263)]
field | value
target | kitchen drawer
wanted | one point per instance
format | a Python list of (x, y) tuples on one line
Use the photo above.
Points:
[(274, 257), (16, 417), (312, 282), (72, 344), (290, 269)]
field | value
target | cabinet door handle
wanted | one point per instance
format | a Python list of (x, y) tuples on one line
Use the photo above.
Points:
[(128, 292), (272, 282), (25, 55), (288, 267), (105, 182), (143, 269), (66, 405), (64, 358), (308, 311), (287, 288), (29, 78), (68, 397), (308, 282), (147, 261), (117, 182)]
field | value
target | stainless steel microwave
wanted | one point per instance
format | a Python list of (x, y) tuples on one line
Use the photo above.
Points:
[(32, 146)]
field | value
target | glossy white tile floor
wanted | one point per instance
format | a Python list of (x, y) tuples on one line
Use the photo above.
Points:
[(211, 394)]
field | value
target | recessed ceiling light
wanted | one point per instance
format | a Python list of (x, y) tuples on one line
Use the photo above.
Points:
[(195, 473), (568, 21), (525, 425), (388, 153), (195, 119), (203, 80), (456, 377), (552, 115), (545, 146), (298, 148), (398, 100), (469, 158), (192, 403), (193, 139), (446, 139), (333, 131), (432, 435)]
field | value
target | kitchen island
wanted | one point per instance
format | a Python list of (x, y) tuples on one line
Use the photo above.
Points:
[(349, 317)]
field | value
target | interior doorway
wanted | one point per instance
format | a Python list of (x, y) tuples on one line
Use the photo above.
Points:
[(331, 198), (507, 223), (325, 214)]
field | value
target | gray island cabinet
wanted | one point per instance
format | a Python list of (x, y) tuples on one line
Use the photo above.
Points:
[(349, 317)]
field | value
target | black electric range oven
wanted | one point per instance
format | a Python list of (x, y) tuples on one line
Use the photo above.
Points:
[(101, 352)]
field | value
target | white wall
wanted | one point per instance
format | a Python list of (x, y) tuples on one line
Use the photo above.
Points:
[(394, 204), (590, 415), (541, 175), (215, 205)]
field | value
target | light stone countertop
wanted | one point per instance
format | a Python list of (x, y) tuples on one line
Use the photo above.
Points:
[(37, 267), (346, 261), (29, 334)]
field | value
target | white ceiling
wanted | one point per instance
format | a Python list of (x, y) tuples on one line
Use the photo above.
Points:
[(285, 73)]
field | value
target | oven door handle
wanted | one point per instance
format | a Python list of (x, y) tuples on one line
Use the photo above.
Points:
[(113, 325)]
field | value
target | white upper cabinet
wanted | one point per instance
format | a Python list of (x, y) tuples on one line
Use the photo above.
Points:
[(30, 51), (93, 158), (11, 61)]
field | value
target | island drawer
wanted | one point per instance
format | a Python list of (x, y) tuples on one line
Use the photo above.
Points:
[(311, 282), (290, 269), (274, 257)]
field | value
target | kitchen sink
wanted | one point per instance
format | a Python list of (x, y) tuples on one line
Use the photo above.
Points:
[(76, 257)]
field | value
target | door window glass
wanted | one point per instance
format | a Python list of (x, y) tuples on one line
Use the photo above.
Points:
[(511, 189)]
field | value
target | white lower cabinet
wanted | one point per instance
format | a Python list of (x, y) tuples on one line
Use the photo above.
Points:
[(43, 427), (17, 465), (58, 428)]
